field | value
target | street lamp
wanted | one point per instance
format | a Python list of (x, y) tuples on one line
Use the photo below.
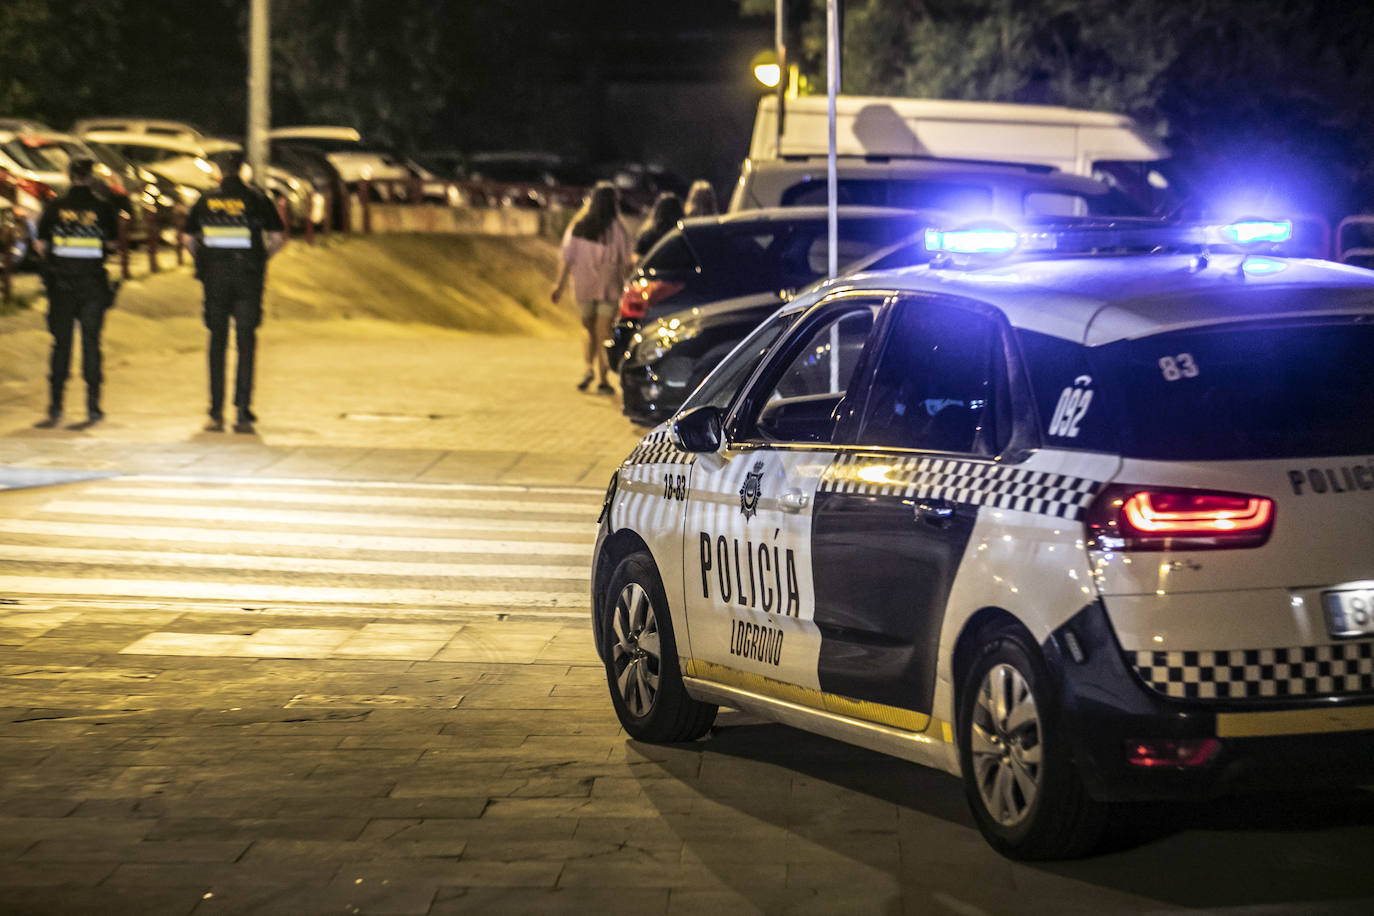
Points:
[(766, 69)]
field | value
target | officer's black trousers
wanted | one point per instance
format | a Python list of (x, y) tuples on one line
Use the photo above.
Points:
[(76, 297), (236, 295)]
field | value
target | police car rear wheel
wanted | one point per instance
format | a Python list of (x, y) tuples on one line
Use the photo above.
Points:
[(641, 659), (1020, 780)]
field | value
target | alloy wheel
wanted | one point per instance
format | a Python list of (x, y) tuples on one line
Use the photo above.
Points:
[(1006, 745), (636, 653)]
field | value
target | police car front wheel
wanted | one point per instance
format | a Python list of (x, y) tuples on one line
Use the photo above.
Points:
[(1019, 776), (641, 659)]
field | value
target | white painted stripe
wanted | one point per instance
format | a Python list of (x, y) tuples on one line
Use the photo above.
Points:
[(591, 494), (29, 554), (224, 591), (204, 513), (295, 539), (236, 495)]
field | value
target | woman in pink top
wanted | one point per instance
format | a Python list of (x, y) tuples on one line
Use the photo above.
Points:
[(596, 255)]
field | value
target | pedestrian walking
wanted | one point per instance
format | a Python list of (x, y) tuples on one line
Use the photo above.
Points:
[(232, 231), (667, 210), (701, 199), (75, 232), (596, 256)]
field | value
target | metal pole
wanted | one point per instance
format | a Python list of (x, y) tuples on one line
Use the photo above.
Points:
[(832, 87), (780, 49), (259, 90)]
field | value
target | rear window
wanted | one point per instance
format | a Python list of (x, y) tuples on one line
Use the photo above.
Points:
[(739, 260), (1271, 390), (883, 192), (672, 253)]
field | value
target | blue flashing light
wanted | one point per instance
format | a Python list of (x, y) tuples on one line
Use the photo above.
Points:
[(1249, 232), (972, 241), (1259, 267)]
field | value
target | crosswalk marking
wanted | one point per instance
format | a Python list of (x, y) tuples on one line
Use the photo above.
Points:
[(351, 547), (576, 547), (457, 504), (176, 559), (289, 594), (586, 495), (218, 513)]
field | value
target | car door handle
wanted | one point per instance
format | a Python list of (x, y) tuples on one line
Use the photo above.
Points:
[(792, 501), (935, 512)]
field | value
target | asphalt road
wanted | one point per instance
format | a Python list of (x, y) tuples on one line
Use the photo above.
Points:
[(344, 666)]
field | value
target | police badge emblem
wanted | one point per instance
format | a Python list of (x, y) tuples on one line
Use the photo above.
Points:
[(749, 493)]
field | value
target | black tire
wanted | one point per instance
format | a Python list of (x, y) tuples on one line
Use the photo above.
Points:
[(1019, 777), (646, 689)]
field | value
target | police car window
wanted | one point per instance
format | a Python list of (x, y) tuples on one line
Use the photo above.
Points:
[(1294, 389), (936, 381), (721, 386), (1075, 410), (802, 400)]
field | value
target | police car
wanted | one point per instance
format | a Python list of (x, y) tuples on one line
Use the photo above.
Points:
[(1084, 516)]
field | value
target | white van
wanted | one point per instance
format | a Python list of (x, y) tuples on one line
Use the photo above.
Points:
[(900, 134)]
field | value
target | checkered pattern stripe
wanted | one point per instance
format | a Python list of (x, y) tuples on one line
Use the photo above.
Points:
[(978, 483), (1247, 674), (658, 448)]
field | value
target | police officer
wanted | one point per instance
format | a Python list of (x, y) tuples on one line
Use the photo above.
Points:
[(75, 233), (232, 231)]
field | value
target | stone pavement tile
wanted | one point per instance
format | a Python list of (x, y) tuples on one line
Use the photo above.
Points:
[(460, 873), (391, 647), (37, 805), (294, 642), (95, 850), (388, 700), (471, 466), (144, 901), (578, 747), (74, 828), (505, 697), (523, 849), (424, 742), (215, 645), (255, 828), (655, 789), (666, 874), (576, 901), (385, 807), (450, 785), (650, 831), (182, 807), (746, 899), (70, 874), (834, 870), (282, 850), (411, 630), (385, 898), (514, 807)]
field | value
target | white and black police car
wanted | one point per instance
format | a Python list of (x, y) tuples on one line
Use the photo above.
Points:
[(1088, 522)]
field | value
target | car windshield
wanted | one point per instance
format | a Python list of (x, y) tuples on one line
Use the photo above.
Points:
[(753, 258), (720, 387), (32, 155), (1257, 390)]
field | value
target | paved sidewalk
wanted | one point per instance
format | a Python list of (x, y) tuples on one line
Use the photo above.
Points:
[(346, 399)]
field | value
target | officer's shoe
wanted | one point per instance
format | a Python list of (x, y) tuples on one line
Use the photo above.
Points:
[(53, 418), (94, 415), (244, 424), (216, 424)]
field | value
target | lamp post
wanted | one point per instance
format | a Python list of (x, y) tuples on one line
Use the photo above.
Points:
[(259, 90)]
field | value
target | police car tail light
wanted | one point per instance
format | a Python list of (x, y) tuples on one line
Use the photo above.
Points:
[(1172, 752), (642, 293), (1126, 517)]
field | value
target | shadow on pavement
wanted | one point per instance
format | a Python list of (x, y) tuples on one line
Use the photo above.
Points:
[(1297, 853)]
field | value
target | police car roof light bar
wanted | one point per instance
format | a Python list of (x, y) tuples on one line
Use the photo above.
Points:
[(1114, 236)]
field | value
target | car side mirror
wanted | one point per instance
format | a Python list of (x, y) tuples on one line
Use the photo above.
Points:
[(698, 430)]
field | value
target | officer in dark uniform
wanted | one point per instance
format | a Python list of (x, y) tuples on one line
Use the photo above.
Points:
[(232, 231), (75, 233)]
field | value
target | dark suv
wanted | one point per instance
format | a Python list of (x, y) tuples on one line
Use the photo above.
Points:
[(706, 284)]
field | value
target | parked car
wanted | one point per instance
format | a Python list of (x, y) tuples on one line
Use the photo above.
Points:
[(160, 127), (526, 180), (351, 159), (709, 282)]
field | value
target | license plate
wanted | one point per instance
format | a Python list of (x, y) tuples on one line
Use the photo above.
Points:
[(1350, 613)]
